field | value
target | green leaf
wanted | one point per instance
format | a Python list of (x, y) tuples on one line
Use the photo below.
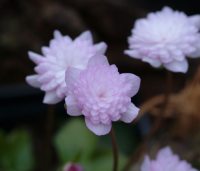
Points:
[(104, 162), (16, 151), (74, 142)]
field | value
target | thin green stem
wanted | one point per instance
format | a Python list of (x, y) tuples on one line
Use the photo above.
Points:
[(115, 150)]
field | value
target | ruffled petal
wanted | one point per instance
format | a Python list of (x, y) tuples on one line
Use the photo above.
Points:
[(85, 36), (51, 98), (36, 58), (72, 108), (71, 76), (100, 48), (57, 35), (98, 60), (134, 82), (177, 66), (164, 153), (146, 165), (130, 114), (98, 129), (33, 81), (195, 19), (155, 63)]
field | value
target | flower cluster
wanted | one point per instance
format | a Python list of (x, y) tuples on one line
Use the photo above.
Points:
[(165, 38), (78, 71), (166, 161)]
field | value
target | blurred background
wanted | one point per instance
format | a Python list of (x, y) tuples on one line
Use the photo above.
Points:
[(26, 124)]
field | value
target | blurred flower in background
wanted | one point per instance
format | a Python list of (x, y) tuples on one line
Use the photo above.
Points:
[(72, 167), (165, 38), (62, 53), (166, 161)]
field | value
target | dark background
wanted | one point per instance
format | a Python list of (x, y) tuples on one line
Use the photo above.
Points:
[(29, 24)]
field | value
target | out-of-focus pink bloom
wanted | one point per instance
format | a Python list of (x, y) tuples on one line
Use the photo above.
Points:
[(101, 94), (166, 38), (166, 161), (62, 53), (73, 167)]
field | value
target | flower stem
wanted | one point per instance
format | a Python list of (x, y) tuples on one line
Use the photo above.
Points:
[(115, 150)]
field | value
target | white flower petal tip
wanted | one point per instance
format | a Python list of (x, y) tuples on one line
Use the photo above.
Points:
[(98, 129), (101, 48), (130, 114), (57, 34), (51, 98), (36, 58), (177, 66), (98, 60), (85, 36), (33, 81), (195, 19), (152, 42), (62, 53), (166, 159)]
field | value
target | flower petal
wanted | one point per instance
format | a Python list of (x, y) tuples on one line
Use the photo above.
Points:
[(33, 81), (57, 34), (98, 129), (134, 81), (36, 58), (71, 76), (153, 62), (85, 36), (164, 153), (98, 60), (51, 98), (130, 114), (146, 165), (195, 19), (177, 66), (72, 108), (100, 48)]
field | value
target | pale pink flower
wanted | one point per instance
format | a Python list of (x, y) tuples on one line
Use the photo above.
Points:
[(166, 161), (73, 167), (165, 38), (101, 94), (62, 53)]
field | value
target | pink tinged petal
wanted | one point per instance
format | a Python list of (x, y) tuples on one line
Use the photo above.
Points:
[(33, 81), (36, 58), (71, 76), (195, 19), (72, 108), (85, 36), (134, 81), (153, 62), (49, 86), (98, 60), (57, 35), (132, 53), (51, 98), (146, 165), (196, 53), (45, 51), (98, 129), (100, 48), (177, 66), (130, 114), (164, 153)]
